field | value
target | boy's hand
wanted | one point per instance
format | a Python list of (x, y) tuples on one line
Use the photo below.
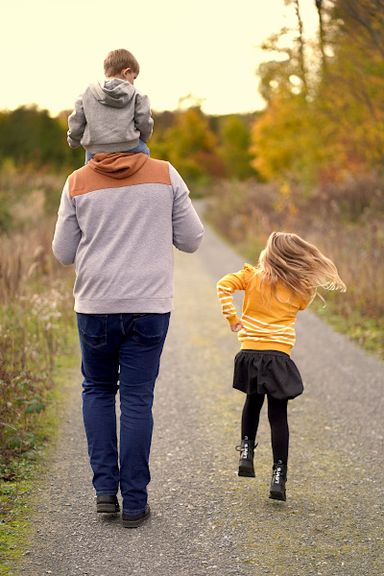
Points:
[(237, 327)]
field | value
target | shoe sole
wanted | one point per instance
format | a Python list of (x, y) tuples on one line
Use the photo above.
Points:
[(277, 496), (106, 508), (247, 472), (135, 523)]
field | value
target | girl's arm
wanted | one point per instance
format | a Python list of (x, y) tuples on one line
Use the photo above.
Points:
[(226, 286)]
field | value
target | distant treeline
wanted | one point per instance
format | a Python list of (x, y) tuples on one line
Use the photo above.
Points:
[(202, 147), (29, 136), (323, 122)]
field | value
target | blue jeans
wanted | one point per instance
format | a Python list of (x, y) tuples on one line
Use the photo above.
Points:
[(120, 352), (141, 147)]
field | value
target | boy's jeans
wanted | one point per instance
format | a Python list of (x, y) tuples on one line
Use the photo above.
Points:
[(141, 147), (120, 352)]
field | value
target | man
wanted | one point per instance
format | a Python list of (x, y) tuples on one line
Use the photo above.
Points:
[(120, 216)]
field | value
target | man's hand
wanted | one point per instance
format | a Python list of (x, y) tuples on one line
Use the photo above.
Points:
[(237, 327)]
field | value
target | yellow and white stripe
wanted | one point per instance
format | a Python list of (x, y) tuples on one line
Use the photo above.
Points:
[(226, 301), (264, 327), (258, 331)]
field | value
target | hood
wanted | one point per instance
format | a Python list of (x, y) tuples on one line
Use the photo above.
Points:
[(116, 165), (116, 93)]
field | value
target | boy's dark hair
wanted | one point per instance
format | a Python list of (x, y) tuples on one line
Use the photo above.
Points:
[(117, 60)]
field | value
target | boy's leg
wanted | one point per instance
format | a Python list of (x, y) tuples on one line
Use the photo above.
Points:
[(141, 147), (278, 419), (88, 156), (139, 366), (100, 370)]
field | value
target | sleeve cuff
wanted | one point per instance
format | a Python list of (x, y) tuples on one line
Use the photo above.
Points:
[(233, 320)]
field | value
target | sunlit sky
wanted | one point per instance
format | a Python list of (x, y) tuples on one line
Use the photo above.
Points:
[(51, 49)]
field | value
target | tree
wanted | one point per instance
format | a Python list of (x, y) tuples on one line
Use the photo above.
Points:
[(235, 141), (31, 136), (192, 146), (332, 126)]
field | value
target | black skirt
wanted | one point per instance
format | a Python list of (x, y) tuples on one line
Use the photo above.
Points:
[(267, 372)]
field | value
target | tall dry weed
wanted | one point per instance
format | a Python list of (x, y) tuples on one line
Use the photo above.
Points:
[(35, 312), (345, 221)]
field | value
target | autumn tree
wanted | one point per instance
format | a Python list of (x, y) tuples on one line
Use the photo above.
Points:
[(234, 149), (330, 123), (192, 146)]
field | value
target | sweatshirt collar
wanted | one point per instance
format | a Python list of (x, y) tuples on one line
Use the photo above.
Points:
[(117, 165)]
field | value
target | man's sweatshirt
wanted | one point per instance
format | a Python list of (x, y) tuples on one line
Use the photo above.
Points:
[(110, 118), (119, 217)]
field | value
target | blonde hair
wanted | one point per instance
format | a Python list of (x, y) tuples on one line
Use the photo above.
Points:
[(298, 264), (117, 60)]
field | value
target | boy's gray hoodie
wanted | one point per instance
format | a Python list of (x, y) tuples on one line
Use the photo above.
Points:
[(110, 118)]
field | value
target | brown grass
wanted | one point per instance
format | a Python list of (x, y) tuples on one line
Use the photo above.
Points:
[(344, 221), (35, 308)]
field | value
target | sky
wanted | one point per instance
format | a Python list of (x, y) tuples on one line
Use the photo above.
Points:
[(52, 49)]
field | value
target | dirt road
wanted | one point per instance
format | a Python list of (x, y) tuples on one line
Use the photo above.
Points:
[(205, 519)]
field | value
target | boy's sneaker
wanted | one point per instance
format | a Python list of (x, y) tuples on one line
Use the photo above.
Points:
[(134, 521), (246, 449), (279, 478), (107, 504)]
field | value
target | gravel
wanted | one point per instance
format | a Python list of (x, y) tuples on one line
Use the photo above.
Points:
[(205, 519)]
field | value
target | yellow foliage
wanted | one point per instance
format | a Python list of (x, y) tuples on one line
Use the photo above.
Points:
[(336, 129)]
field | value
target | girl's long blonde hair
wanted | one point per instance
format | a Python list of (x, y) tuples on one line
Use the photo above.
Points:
[(297, 264)]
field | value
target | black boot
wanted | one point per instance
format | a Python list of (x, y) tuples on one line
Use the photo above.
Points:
[(246, 449), (279, 478)]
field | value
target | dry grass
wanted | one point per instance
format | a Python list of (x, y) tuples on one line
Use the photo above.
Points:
[(35, 308), (345, 222)]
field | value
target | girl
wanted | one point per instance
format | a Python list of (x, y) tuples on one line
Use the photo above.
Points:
[(288, 274)]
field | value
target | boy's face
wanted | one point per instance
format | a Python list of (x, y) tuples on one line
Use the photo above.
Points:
[(129, 74)]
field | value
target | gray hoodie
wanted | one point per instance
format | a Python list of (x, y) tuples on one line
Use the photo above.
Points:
[(120, 216), (110, 118)]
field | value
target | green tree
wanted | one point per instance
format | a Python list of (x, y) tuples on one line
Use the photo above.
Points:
[(31, 136), (192, 146), (235, 141)]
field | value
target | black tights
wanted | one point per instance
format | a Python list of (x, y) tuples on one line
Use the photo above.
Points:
[(278, 420)]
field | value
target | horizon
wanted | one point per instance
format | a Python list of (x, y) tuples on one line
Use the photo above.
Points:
[(221, 75)]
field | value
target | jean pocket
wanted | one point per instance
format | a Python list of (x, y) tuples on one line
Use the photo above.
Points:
[(150, 328), (92, 329)]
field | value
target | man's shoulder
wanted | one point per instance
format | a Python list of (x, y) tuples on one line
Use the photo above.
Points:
[(159, 164), (77, 179), (156, 171), (85, 179)]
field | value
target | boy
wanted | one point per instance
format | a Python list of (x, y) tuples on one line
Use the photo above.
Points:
[(114, 117)]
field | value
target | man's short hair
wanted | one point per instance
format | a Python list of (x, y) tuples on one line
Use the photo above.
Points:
[(117, 60)]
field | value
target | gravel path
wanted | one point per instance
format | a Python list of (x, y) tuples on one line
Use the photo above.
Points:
[(205, 519)]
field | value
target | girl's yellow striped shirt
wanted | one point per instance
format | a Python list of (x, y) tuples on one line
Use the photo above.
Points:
[(268, 318)]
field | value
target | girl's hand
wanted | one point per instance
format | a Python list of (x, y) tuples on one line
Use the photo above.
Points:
[(237, 327)]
